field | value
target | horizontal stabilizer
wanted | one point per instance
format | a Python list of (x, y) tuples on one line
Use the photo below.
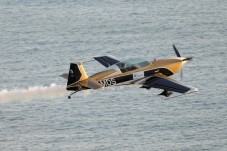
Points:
[(65, 75)]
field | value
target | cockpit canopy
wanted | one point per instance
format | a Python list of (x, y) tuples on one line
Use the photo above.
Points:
[(132, 64)]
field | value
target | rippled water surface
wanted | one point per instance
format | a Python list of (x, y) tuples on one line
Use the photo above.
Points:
[(39, 39)]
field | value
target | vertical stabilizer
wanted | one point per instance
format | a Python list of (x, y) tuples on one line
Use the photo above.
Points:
[(76, 73)]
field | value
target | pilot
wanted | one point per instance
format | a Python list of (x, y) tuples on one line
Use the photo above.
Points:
[(124, 65)]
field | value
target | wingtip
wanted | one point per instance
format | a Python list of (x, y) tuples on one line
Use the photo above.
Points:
[(192, 90)]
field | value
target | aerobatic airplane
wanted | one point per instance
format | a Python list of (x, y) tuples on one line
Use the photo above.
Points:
[(146, 74)]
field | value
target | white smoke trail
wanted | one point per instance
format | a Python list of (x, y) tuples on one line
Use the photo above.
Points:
[(31, 93)]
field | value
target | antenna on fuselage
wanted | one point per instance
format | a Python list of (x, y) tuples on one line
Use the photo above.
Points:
[(86, 61)]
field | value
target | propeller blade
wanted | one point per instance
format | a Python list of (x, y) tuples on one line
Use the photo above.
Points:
[(181, 75), (176, 51)]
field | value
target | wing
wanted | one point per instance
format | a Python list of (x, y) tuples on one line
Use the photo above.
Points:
[(167, 84), (107, 60)]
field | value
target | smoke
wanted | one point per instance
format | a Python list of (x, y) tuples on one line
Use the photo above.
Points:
[(52, 91)]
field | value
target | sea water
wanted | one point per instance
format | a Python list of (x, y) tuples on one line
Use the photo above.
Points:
[(40, 38)]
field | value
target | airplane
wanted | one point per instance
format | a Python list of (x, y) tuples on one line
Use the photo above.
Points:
[(147, 74)]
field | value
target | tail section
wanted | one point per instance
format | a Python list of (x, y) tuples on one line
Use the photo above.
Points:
[(76, 73)]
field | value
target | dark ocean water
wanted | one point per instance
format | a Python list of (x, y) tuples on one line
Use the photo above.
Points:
[(39, 39)]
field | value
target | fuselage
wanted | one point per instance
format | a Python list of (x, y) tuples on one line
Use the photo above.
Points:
[(166, 67), (133, 71)]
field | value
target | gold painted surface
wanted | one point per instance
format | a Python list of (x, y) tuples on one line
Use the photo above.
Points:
[(173, 64), (84, 75), (89, 83), (102, 74)]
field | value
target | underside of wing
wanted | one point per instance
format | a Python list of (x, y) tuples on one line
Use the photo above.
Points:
[(167, 84), (107, 60)]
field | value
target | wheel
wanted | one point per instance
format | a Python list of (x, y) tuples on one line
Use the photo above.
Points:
[(69, 97)]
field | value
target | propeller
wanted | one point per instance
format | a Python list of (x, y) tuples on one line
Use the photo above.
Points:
[(178, 54), (181, 74), (176, 51), (186, 59)]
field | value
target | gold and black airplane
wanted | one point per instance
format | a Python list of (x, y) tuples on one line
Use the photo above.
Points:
[(146, 74)]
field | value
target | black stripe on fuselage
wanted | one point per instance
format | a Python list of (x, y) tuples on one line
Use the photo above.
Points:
[(146, 74), (118, 80), (124, 78), (164, 71)]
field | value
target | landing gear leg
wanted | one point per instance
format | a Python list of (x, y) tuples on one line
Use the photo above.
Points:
[(166, 93), (69, 97)]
